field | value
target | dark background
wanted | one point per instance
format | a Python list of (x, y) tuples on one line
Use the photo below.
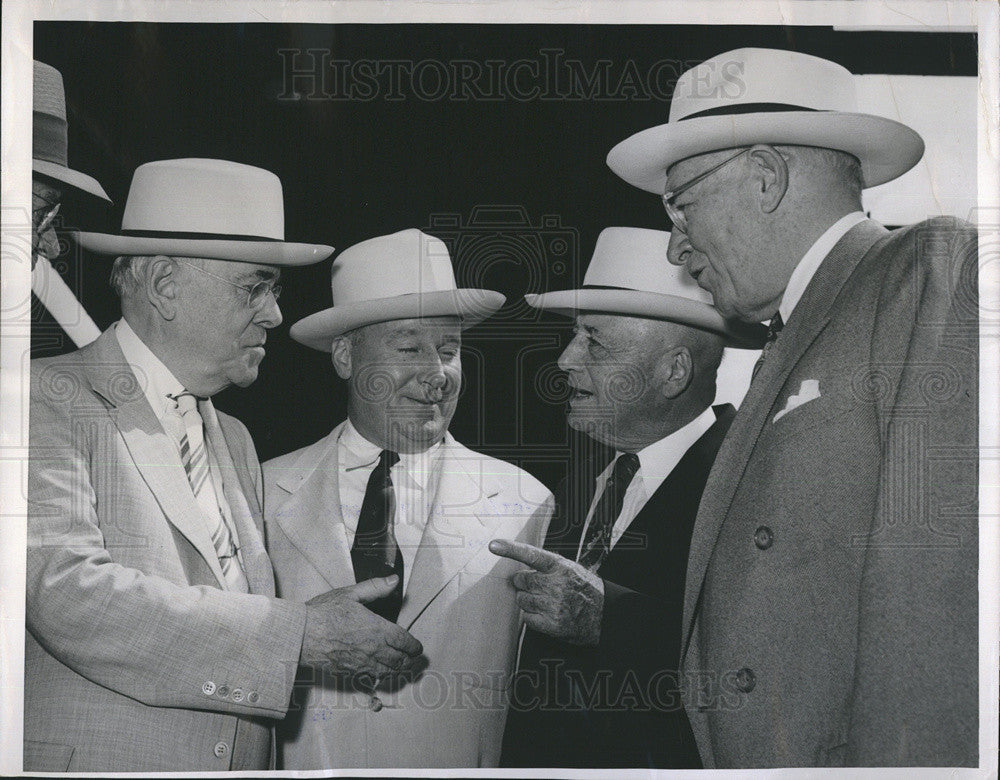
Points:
[(518, 187)]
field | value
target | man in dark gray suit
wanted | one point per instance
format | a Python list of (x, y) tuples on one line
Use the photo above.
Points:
[(831, 609)]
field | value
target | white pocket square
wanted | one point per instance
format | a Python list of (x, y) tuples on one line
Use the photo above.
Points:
[(809, 391)]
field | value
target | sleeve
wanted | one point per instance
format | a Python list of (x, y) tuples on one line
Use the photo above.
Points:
[(140, 635), (915, 697)]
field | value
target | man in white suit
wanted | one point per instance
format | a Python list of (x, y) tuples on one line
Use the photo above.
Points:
[(154, 640), (390, 491)]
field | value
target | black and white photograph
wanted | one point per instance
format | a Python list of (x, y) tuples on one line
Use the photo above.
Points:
[(500, 389)]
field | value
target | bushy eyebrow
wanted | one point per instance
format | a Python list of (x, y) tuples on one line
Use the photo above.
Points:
[(261, 275)]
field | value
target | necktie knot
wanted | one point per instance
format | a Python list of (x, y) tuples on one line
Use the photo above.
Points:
[(387, 459), (625, 469), (774, 327), (186, 403)]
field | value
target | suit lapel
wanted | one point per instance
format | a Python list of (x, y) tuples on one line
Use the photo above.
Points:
[(462, 522), (311, 517), (811, 316), (153, 452), (236, 487)]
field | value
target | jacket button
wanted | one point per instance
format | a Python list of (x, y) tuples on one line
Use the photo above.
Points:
[(253, 697), (223, 691), (208, 688), (237, 694), (375, 704), (763, 537), (746, 680), (221, 749)]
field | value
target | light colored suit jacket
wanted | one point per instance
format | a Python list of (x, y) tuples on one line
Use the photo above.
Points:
[(459, 603), (137, 659), (831, 597)]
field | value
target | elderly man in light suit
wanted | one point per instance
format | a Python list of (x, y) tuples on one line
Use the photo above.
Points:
[(831, 609), (390, 491), (154, 640)]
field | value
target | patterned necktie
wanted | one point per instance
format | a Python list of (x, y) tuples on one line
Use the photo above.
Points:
[(597, 543), (375, 552), (773, 329), (194, 455)]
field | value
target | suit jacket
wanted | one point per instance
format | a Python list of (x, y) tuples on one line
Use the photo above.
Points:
[(831, 606), (618, 705), (458, 602), (136, 657)]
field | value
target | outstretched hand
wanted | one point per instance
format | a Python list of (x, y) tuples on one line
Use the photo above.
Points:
[(345, 637), (559, 597)]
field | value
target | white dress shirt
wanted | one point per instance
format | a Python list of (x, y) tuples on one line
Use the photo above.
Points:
[(656, 461), (158, 384), (415, 479), (811, 260)]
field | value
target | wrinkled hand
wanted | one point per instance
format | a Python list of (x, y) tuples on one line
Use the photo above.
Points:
[(346, 638), (559, 597)]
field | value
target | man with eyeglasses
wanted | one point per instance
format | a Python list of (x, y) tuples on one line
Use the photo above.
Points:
[(155, 641), (831, 597), (51, 180)]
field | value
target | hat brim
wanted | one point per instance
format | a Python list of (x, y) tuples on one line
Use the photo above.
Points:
[(471, 306), (78, 181), (639, 303), (887, 149), (247, 251)]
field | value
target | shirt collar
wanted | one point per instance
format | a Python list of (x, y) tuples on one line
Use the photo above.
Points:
[(358, 451), (658, 459), (156, 380), (807, 266)]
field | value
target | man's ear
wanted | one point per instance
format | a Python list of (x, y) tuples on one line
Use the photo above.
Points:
[(771, 171), (161, 287), (675, 371), (341, 356)]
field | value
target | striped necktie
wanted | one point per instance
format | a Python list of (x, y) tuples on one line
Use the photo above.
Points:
[(597, 543), (194, 455)]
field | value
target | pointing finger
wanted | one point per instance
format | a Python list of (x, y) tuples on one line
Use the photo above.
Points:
[(535, 557)]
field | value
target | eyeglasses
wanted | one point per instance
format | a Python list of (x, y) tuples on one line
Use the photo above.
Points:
[(256, 295), (676, 213), (50, 215)]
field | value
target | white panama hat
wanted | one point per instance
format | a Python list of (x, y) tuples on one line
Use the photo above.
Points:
[(396, 277), (205, 208), (629, 275), (49, 142), (769, 96)]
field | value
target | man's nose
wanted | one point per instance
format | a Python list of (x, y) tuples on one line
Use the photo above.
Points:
[(269, 314), (569, 359), (678, 247)]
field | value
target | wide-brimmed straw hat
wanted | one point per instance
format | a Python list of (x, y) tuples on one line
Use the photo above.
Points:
[(629, 275), (396, 277), (205, 208), (751, 96), (49, 143)]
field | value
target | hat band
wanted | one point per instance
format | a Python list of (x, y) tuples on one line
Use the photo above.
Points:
[(608, 287), (196, 236), (48, 138), (746, 108)]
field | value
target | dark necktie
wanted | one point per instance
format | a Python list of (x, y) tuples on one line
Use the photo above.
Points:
[(597, 543), (773, 329), (375, 552)]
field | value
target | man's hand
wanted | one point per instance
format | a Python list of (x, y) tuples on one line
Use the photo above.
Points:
[(346, 638), (560, 597)]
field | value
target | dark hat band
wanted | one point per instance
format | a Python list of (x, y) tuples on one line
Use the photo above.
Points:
[(746, 108), (196, 236), (48, 138)]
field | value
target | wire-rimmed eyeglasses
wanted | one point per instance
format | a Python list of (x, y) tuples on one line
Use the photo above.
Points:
[(256, 295), (675, 212)]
